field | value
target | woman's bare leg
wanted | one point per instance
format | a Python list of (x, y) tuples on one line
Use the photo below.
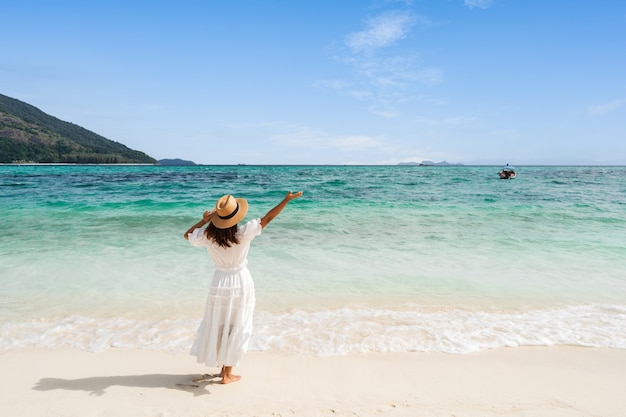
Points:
[(227, 375)]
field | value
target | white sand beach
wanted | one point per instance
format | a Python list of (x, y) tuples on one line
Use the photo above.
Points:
[(527, 381)]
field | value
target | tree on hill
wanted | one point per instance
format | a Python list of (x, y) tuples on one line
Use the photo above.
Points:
[(29, 135)]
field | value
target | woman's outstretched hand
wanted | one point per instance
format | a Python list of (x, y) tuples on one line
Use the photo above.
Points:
[(292, 196)]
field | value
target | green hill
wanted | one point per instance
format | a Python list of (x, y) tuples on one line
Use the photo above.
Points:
[(29, 135)]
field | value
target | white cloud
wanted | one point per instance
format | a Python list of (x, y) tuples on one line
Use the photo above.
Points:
[(381, 31), (385, 77), (459, 120), (360, 94), (429, 76), (479, 4), (386, 113), (505, 132), (396, 71), (605, 108), (332, 84), (303, 137)]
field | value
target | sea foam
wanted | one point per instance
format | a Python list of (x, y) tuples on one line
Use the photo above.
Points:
[(342, 331)]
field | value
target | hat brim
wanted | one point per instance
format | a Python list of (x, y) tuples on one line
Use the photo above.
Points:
[(221, 223)]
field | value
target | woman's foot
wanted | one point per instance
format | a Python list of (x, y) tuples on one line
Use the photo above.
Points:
[(227, 375), (227, 379)]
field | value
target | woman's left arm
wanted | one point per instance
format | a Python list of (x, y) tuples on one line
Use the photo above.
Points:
[(206, 217)]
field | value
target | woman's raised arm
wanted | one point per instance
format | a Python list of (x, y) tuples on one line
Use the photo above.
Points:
[(265, 220), (206, 217)]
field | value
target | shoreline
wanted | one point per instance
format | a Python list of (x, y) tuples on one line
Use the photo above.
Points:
[(364, 329), (314, 332), (524, 381), (400, 164)]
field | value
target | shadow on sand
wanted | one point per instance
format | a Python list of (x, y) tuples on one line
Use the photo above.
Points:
[(98, 385)]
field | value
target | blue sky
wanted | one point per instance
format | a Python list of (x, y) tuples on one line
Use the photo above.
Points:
[(330, 82)]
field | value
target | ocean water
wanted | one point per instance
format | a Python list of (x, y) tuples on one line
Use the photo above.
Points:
[(370, 259)]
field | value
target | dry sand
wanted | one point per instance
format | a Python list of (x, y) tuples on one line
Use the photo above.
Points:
[(541, 382)]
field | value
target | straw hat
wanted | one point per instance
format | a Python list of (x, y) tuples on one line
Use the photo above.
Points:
[(229, 211)]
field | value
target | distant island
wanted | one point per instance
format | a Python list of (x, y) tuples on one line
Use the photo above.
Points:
[(28, 135), (175, 162), (429, 163)]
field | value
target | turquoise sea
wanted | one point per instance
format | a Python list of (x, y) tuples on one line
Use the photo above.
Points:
[(370, 259)]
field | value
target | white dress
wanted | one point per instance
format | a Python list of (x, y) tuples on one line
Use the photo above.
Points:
[(226, 327)]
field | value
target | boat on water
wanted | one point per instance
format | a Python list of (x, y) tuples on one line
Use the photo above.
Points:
[(507, 172)]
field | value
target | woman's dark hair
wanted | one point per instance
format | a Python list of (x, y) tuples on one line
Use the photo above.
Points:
[(223, 237)]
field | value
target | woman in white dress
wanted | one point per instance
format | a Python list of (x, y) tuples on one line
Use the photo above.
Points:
[(226, 327)]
